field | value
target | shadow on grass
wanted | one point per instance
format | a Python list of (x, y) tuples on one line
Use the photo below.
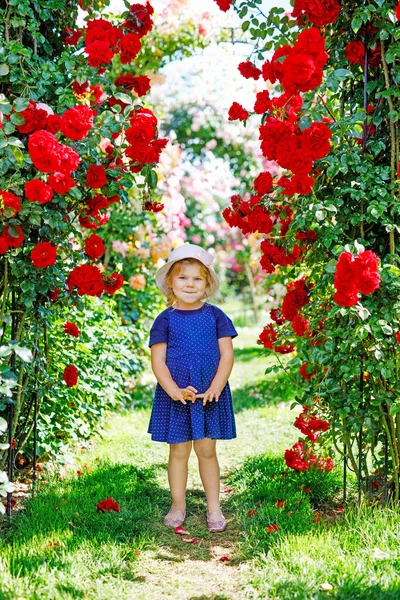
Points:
[(349, 590), (61, 521), (270, 391), (249, 353)]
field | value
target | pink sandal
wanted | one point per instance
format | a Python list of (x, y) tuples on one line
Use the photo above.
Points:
[(216, 526), (175, 518)]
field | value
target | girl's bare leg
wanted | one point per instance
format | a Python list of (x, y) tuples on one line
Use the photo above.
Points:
[(209, 471), (178, 474)]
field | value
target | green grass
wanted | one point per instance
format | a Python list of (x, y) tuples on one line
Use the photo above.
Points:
[(60, 547)]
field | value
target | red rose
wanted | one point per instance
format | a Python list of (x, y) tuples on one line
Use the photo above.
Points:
[(53, 295), (71, 36), (142, 128), (61, 183), (315, 140), (307, 372), (88, 279), (296, 297), (296, 457), (398, 337), (237, 111), (76, 122), (262, 103), (153, 206), (141, 85), (34, 118), (38, 191), (300, 325), (276, 316), (44, 150), (263, 183), (70, 375), (140, 21), (224, 4), (307, 236), (355, 52), (71, 329), (11, 240), (99, 53), (53, 123), (397, 11), (267, 336), (365, 269), (94, 246), (104, 31), (144, 154), (10, 204), (318, 12), (287, 349), (248, 70), (129, 46), (96, 176), (300, 73), (125, 81), (303, 184), (113, 283), (69, 159), (272, 69), (43, 255)]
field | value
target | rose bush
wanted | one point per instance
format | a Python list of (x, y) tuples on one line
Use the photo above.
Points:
[(67, 165), (332, 124)]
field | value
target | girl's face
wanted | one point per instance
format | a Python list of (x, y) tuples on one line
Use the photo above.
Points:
[(189, 286)]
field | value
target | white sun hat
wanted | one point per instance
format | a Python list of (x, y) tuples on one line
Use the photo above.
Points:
[(187, 251)]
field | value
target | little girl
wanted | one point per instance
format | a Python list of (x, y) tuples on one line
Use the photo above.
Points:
[(192, 358)]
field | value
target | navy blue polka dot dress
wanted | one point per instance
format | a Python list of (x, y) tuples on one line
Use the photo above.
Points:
[(192, 358)]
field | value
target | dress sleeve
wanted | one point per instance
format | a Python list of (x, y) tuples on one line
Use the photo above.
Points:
[(159, 330), (225, 326)]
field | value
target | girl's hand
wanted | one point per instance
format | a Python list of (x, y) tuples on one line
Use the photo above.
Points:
[(183, 394), (213, 393)]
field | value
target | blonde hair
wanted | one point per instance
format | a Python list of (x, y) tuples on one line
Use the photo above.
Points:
[(177, 268)]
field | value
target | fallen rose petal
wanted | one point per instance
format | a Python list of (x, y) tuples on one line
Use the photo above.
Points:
[(53, 544), (137, 553), (251, 512), (224, 559), (272, 528), (79, 473), (189, 540), (259, 505), (180, 530), (280, 503), (228, 490)]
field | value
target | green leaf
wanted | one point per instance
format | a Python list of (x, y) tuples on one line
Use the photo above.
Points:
[(127, 182), (356, 23), (18, 155), (123, 97), (20, 104), (17, 119), (5, 351), (4, 70), (245, 25), (342, 73), (152, 179), (24, 353)]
